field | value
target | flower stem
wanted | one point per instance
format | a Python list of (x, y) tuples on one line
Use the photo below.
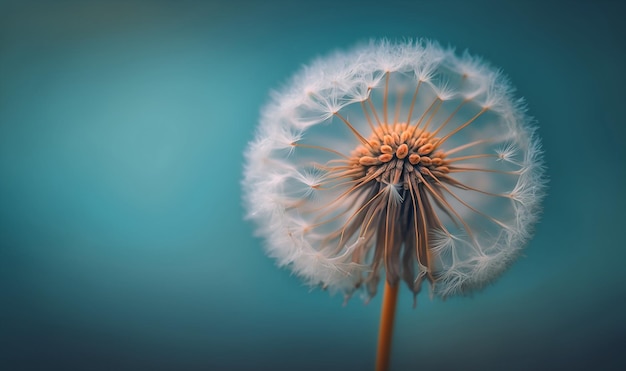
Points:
[(387, 316)]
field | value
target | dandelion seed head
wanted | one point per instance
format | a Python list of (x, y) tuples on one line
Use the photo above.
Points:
[(397, 161)]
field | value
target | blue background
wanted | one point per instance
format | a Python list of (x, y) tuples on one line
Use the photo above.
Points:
[(122, 241)]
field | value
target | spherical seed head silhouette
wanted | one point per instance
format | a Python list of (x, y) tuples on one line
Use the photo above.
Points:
[(397, 160)]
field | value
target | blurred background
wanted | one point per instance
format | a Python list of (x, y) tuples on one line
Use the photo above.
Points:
[(122, 241)]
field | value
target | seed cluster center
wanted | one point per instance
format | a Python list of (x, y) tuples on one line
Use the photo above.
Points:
[(392, 149)]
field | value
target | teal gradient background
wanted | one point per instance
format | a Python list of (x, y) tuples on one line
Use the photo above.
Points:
[(122, 239)]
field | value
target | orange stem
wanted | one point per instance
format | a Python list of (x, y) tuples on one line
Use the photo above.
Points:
[(387, 316)]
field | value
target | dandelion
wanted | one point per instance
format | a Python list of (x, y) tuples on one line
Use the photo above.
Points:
[(402, 161)]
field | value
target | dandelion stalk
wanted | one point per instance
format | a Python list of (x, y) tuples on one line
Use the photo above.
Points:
[(385, 334)]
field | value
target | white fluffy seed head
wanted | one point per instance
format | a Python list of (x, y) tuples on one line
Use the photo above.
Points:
[(401, 160)]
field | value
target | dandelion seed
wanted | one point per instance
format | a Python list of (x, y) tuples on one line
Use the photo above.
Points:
[(412, 163)]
